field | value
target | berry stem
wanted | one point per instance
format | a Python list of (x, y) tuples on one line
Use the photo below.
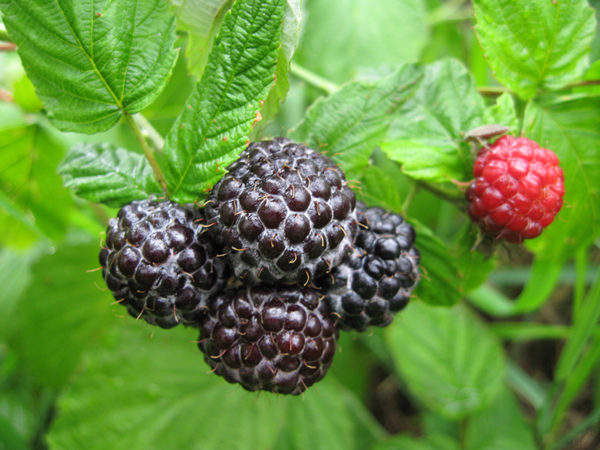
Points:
[(147, 150), (149, 132), (313, 79)]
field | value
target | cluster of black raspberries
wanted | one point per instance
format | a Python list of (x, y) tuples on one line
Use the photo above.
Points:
[(278, 261)]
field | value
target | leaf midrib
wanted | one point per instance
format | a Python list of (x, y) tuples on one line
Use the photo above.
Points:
[(90, 58), (234, 73)]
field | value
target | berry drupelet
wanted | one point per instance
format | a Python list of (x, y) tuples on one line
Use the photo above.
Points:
[(284, 212), (158, 265)]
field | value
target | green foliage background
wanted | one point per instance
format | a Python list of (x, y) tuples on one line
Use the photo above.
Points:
[(111, 101)]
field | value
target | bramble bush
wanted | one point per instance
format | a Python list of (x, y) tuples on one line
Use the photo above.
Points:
[(106, 102)]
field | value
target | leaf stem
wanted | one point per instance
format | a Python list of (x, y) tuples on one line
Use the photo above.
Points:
[(147, 151), (409, 198), (457, 201), (453, 10), (149, 132), (462, 432), (583, 83), (313, 79)]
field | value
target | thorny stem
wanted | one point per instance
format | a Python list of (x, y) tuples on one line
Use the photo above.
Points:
[(149, 132), (147, 151), (313, 79)]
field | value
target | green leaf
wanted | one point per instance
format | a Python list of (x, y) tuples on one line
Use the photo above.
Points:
[(14, 277), (292, 24), (474, 266), (348, 124), (106, 174), (343, 37), (535, 45), (290, 34), (202, 20), (542, 280), (426, 135), (440, 278), (563, 394), (32, 192), (583, 327), (428, 442), (503, 113), (572, 130), (92, 62), (500, 426), (377, 189), (10, 437), (25, 96), (591, 76), (448, 360), (219, 115), (540, 283), (26, 408), (157, 382), (60, 313)]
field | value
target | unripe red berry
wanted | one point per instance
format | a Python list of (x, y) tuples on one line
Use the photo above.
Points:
[(517, 191)]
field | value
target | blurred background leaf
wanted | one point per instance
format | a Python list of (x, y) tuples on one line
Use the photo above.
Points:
[(448, 359), (535, 45), (368, 34), (176, 391)]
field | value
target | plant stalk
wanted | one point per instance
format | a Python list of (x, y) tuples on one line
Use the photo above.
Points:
[(6, 96), (313, 79), (409, 198), (149, 132), (147, 151), (7, 47)]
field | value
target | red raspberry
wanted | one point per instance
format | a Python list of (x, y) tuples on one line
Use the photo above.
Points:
[(517, 190)]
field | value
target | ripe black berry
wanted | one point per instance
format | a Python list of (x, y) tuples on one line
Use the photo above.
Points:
[(279, 340), (158, 265), (378, 279), (284, 212)]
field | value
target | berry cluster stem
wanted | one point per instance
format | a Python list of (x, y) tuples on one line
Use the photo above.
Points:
[(148, 152), (313, 79), (149, 132)]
